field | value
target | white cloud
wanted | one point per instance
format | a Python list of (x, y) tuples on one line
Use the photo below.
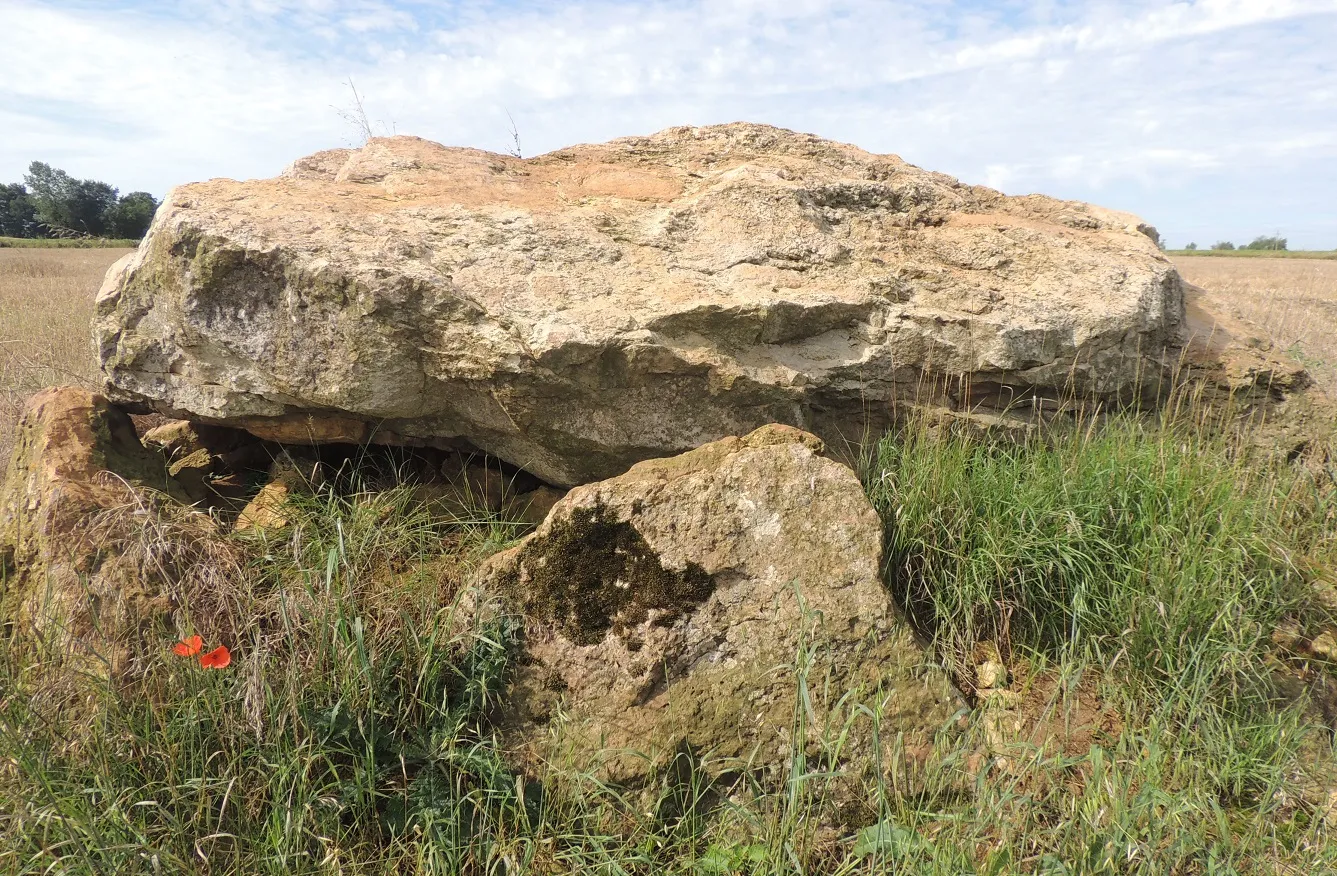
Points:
[(1140, 104)]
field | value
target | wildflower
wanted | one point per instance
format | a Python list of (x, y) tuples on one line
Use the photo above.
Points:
[(188, 647), (218, 658)]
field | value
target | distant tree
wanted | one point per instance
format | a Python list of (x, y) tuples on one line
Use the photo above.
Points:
[(1262, 242), (18, 216), (1191, 247), (61, 200), (1223, 244), (131, 216)]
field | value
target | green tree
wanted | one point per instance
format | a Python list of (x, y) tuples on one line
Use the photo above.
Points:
[(1223, 244), (18, 216), (1191, 247), (63, 201), (131, 216), (1263, 242)]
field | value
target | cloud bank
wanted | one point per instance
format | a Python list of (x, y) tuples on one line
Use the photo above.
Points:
[(1212, 119)]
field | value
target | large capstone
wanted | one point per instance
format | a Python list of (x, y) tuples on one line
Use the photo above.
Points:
[(581, 311)]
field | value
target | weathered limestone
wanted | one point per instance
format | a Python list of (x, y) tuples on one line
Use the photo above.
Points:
[(77, 458), (673, 606), (201, 459), (580, 311)]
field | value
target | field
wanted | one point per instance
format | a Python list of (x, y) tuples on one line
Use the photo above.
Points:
[(72, 243), (1254, 253), (1293, 302), (1160, 602), (46, 304)]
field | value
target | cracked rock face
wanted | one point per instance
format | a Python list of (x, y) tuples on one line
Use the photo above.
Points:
[(580, 311), (680, 603)]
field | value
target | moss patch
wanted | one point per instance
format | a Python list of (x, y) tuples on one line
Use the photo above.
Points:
[(592, 573)]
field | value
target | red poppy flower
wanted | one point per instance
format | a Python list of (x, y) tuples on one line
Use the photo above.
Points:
[(188, 647), (217, 658)]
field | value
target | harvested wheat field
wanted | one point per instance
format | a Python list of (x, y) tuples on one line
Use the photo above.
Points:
[(46, 302), (1293, 302)]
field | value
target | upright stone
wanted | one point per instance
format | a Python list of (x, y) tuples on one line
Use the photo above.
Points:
[(77, 457), (726, 601)]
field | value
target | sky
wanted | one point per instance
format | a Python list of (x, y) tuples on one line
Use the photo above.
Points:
[(1211, 119)]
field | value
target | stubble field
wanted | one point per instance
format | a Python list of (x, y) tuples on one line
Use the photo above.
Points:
[(46, 303), (1293, 302)]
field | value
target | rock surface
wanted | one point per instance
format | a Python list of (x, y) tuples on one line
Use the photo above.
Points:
[(671, 606), (61, 584), (200, 458), (580, 311)]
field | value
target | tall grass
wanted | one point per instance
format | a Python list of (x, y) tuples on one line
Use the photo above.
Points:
[(1130, 577), (1152, 545), (1145, 568)]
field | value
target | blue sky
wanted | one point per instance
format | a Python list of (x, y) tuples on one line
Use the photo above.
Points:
[(1212, 119)]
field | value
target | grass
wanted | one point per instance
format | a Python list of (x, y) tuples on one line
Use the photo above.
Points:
[(1255, 253), (46, 306), (1134, 579), (1293, 303), (72, 243)]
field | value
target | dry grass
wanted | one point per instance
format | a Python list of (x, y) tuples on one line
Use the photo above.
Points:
[(67, 243), (1254, 253), (46, 304), (1293, 302)]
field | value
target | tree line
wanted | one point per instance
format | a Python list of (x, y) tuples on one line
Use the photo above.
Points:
[(51, 203), (1261, 242)]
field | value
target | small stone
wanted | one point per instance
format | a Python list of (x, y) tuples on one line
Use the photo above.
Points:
[(267, 510), (1325, 645), (533, 507), (192, 471), (991, 674), (990, 671), (1328, 809), (174, 436)]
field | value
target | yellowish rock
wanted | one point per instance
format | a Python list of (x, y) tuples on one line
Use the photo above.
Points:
[(577, 312), (1325, 645), (267, 511), (680, 603), (76, 461)]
